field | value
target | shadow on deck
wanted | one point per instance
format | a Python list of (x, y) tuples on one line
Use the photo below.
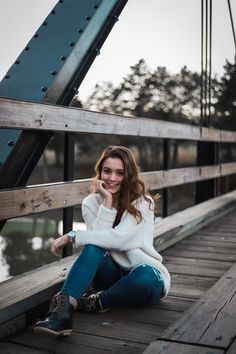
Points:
[(197, 316)]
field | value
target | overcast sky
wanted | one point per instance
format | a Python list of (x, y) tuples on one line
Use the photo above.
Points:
[(163, 32)]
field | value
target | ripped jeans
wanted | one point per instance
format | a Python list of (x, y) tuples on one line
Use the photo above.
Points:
[(143, 285)]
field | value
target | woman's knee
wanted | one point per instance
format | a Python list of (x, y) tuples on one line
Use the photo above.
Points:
[(150, 279), (146, 275), (92, 250)]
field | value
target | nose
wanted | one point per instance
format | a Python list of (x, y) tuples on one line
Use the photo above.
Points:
[(112, 177)]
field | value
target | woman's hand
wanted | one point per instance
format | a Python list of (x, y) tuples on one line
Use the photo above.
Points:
[(106, 195), (58, 244)]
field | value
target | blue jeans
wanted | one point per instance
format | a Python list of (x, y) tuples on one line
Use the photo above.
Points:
[(143, 285)]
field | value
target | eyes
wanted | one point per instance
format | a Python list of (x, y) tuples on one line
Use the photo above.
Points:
[(108, 171)]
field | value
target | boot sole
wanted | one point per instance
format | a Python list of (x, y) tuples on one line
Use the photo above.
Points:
[(42, 330)]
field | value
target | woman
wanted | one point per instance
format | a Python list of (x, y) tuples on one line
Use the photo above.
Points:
[(118, 261)]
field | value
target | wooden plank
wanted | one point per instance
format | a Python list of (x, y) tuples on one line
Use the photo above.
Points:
[(185, 291), (200, 255), (174, 228), (232, 348), (225, 232), (201, 263), (11, 348), (175, 303), (34, 199), (194, 281), (203, 248), (227, 135), (118, 329), (166, 347), (230, 245), (192, 269), (219, 237), (28, 115), (190, 286), (23, 292), (78, 343), (212, 320), (150, 315), (12, 326), (220, 230)]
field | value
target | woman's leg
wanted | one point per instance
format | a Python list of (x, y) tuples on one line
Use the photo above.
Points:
[(94, 267), (107, 274), (141, 286), (59, 321)]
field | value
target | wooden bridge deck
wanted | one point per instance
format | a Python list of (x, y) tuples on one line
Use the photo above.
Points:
[(196, 264)]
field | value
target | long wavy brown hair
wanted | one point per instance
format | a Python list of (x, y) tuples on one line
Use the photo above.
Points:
[(132, 186)]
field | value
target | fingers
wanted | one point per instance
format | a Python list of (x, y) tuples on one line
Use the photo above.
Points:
[(100, 185), (58, 244), (54, 250)]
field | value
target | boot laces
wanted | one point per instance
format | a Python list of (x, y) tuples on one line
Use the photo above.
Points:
[(89, 303), (57, 303)]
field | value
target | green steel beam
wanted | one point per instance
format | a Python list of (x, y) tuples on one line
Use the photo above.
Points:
[(50, 69)]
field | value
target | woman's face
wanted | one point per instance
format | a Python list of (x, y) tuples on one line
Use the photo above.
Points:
[(113, 174)]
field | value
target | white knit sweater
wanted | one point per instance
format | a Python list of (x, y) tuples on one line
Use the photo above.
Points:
[(129, 243)]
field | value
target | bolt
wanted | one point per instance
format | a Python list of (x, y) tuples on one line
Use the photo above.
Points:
[(36, 35), (10, 143), (63, 58), (53, 12), (43, 88), (17, 61), (27, 48), (54, 72), (45, 24), (87, 18), (7, 76), (95, 6), (80, 30), (71, 44)]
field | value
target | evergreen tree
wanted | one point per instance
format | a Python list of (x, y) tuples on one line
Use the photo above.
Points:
[(225, 107)]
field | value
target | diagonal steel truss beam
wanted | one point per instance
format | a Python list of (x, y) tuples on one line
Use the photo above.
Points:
[(49, 70)]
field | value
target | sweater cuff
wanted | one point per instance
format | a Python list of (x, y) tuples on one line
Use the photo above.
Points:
[(81, 238)]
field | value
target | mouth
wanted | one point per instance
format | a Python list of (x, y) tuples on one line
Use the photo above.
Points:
[(112, 186)]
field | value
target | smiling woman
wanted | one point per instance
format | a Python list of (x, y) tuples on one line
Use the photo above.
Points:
[(118, 263), (112, 175)]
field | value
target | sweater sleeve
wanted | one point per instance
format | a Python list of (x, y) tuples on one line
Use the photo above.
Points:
[(127, 235), (97, 217)]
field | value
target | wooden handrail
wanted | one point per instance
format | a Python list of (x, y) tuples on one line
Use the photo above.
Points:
[(34, 199), (27, 115)]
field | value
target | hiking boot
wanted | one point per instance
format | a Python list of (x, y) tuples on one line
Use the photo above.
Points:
[(90, 303), (59, 320)]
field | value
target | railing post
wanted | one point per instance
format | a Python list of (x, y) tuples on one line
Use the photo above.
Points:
[(166, 163), (206, 155), (69, 158)]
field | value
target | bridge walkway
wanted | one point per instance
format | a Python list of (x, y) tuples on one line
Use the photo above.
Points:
[(196, 264)]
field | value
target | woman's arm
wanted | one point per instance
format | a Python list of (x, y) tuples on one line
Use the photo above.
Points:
[(97, 217), (128, 234)]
